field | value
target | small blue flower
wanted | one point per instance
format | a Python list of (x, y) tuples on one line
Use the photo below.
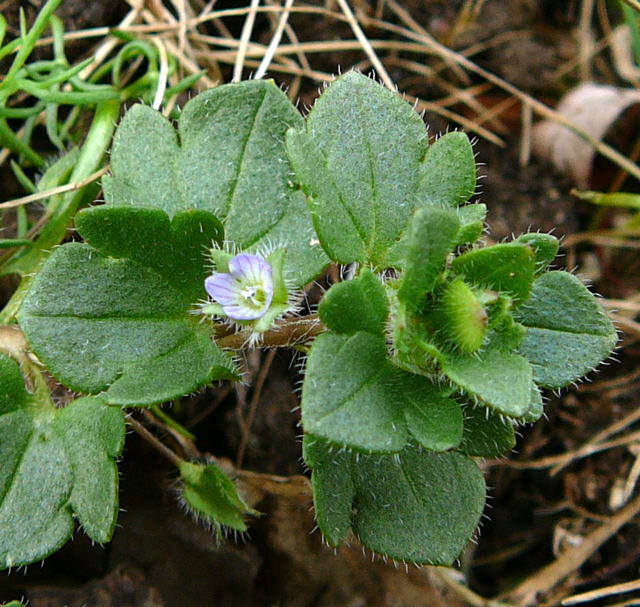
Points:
[(245, 293)]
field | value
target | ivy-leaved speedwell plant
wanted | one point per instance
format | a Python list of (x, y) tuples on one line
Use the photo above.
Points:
[(424, 359)]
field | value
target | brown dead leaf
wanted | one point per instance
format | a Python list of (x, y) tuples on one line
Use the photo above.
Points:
[(592, 108)]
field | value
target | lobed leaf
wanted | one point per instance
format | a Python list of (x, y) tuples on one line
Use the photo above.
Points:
[(536, 408), (332, 485), (349, 396), (498, 378), (486, 433), (448, 172), (357, 158), (545, 248), (417, 506), (228, 158), (508, 268), (93, 435), (434, 420), (175, 248), (431, 236), (100, 323), (54, 464), (353, 396), (472, 217)]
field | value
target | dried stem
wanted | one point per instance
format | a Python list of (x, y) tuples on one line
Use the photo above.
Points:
[(548, 577)]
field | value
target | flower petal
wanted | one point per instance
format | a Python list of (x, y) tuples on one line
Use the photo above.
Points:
[(239, 312), (246, 292), (251, 269), (223, 288)]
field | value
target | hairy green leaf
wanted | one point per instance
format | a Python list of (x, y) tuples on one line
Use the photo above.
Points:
[(472, 217), (416, 506), (332, 484), (100, 323), (93, 435), (536, 407), (356, 305), (568, 332), (357, 158), (349, 395), (486, 433), (433, 419), (54, 463), (448, 172), (227, 157), (174, 248), (431, 237), (545, 248), (508, 268), (13, 395), (498, 378)]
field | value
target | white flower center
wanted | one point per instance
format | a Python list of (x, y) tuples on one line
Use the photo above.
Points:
[(255, 295)]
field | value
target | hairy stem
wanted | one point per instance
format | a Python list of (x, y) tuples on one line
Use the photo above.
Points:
[(289, 333)]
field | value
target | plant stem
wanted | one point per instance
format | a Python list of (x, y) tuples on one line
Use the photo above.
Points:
[(154, 442), (171, 423), (287, 334)]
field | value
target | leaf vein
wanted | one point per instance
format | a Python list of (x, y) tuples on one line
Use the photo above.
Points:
[(243, 151)]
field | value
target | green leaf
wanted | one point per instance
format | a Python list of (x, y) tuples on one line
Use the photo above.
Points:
[(508, 268), (100, 323), (356, 305), (568, 332), (54, 463), (498, 378), (34, 516), (431, 237), (174, 248), (486, 433), (93, 435), (13, 395), (433, 419), (349, 395), (227, 157), (536, 408), (472, 217), (357, 159), (545, 248), (212, 496), (448, 172), (332, 485), (417, 506)]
